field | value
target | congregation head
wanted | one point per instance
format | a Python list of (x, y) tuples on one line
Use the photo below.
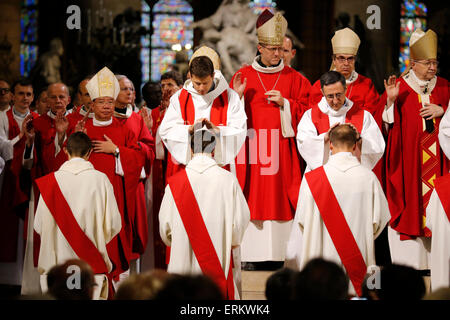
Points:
[(79, 145), (189, 287)]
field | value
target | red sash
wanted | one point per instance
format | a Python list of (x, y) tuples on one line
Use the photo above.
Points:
[(61, 212), (442, 186), (198, 234), (337, 227), (321, 121)]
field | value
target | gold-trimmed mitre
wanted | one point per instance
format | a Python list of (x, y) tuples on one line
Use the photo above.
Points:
[(103, 84), (271, 28), (423, 45), (345, 41), (207, 52)]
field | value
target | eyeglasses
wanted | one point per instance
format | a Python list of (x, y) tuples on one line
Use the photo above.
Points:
[(428, 63), (274, 49), (4, 90), (337, 95), (342, 59)]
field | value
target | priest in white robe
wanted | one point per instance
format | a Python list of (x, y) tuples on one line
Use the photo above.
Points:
[(360, 205), (222, 213), (335, 108), (91, 214), (206, 95)]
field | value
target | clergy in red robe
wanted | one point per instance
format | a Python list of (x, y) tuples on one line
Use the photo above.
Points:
[(119, 155), (268, 166), (125, 115), (84, 110), (16, 148), (415, 104)]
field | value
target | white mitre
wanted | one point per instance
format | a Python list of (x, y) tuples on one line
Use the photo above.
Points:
[(103, 84)]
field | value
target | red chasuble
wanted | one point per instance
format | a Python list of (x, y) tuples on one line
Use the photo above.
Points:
[(337, 227), (218, 117), (136, 124), (198, 235), (413, 160), (15, 193), (132, 159), (268, 165), (442, 186)]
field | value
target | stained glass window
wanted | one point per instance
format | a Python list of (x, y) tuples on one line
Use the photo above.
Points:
[(28, 36), (259, 6), (170, 20), (413, 15)]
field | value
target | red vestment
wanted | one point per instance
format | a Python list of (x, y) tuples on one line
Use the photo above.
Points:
[(271, 182), (15, 193), (138, 213), (132, 159), (407, 161)]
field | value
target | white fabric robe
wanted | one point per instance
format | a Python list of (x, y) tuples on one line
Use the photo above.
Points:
[(444, 133), (90, 196), (437, 221), (313, 149), (363, 203), (174, 133), (224, 211)]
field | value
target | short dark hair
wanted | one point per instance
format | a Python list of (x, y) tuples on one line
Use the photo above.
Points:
[(202, 141), (78, 144), (23, 82), (321, 280), (400, 282), (151, 93), (174, 75), (201, 67), (343, 135), (189, 287), (279, 285), (331, 77)]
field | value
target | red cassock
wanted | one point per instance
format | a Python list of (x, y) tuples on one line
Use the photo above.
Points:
[(158, 184), (138, 215), (15, 193), (363, 94), (132, 159), (270, 179), (413, 159)]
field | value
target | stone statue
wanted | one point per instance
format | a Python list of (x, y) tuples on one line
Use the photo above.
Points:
[(51, 63), (231, 31)]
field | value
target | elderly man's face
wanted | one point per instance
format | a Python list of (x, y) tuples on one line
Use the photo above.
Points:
[(345, 64), (425, 69), (5, 93), (23, 96), (126, 92), (103, 108), (58, 97), (84, 94), (270, 55), (335, 95)]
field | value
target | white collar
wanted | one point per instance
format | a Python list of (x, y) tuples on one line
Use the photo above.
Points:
[(200, 162), (98, 123), (421, 87), (17, 114), (83, 112), (220, 85), (352, 78), (325, 107), (257, 66), (421, 83), (127, 113), (343, 161)]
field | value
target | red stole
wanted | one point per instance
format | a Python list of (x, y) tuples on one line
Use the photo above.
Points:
[(337, 227), (442, 186), (321, 120), (218, 116), (63, 215), (198, 233)]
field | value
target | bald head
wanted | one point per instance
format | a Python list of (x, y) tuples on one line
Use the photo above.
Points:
[(343, 138), (58, 97)]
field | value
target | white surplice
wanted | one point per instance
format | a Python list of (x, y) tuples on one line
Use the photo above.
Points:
[(174, 132), (362, 202), (224, 211), (90, 196), (437, 221), (313, 149), (444, 133)]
